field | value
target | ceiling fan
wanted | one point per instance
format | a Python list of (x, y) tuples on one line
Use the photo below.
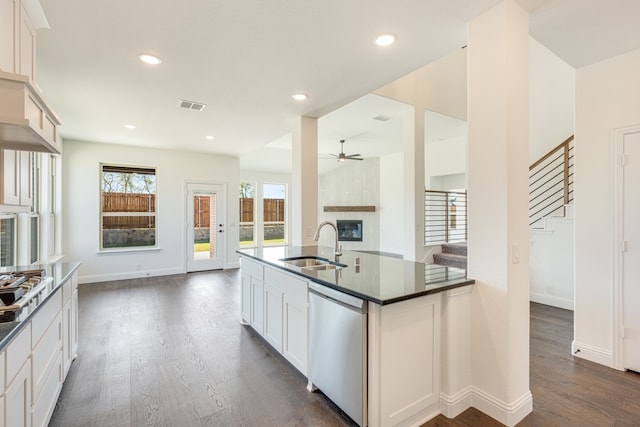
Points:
[(342, 157)]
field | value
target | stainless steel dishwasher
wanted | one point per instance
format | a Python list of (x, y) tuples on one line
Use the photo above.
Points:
[(338, 349)]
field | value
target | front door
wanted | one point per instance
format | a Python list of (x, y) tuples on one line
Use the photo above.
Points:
[(205, 227), (631, 255)]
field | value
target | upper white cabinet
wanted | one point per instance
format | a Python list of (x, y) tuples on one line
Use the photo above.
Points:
[(15, 179), (19, 20), (26, 121)]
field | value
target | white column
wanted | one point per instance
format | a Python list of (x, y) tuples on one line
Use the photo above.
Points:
[(497, 64), (304, 181), (413, 134)]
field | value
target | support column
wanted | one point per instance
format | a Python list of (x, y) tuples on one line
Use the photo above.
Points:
[(304, 181), (498, 114), (413, 134)]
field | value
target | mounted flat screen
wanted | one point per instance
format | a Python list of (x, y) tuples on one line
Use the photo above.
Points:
[(349, 230)]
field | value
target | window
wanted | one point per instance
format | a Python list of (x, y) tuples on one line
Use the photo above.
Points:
[(273, 213), (128, 214), (53, 200), (247, 213), (34, 238), (8, 240)]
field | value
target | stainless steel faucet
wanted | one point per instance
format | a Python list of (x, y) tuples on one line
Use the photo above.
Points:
[(337, 249)]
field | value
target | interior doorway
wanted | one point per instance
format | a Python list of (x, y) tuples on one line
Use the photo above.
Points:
[(631, 250), (205, 227)]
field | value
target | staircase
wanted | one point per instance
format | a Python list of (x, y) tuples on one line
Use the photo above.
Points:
[(453, 255)]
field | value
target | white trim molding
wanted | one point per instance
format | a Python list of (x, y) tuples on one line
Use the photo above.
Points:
[(508, 414), (614, 359), (593, 354), (552, 300)]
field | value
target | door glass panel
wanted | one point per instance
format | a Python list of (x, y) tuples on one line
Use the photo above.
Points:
[(204, 226)]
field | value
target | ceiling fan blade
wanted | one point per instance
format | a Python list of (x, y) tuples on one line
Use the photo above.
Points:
[(355, 158), (354, 155)]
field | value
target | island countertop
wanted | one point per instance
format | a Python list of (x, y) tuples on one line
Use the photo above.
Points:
[(378, 278)]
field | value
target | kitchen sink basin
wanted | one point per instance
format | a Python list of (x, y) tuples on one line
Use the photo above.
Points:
[(312, 263)]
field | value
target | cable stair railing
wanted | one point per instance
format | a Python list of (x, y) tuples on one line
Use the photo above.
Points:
[(551, 183), (550, 191)]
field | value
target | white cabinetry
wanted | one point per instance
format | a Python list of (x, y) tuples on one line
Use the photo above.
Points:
[(252, 294), (34, 364), (17, 390), (69, 321), (292, 315), (404, 361), (15, 179), (26, 121), (17, 39), (275, 304), (273, 297)]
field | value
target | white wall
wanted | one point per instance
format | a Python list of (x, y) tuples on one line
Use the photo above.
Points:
[(607, 97), (551, 264), (354, 183), (551, 100), (81, 187), (391, 203), (260, 178), (446, 157)]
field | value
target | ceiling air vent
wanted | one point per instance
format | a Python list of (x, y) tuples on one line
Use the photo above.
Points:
[(382, 118), (190, 105)]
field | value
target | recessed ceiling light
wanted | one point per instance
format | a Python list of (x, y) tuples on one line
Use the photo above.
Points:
[(149, 59), (130, 126), (385, 39), (299, 96), (210, 137)]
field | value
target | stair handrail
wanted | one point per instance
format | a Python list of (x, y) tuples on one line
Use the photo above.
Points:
[(562, 151), (444, 221)]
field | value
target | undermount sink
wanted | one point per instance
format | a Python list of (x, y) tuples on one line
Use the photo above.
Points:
[(312, 263)]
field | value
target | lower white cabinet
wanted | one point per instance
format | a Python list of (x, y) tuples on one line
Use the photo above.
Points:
[(273, 298), (17, 398), (404, 385), (292, 315), (275, 304), (35, 362)]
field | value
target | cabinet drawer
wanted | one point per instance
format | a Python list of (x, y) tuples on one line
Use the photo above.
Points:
[(17, 353), (45, 316), (43, 407), (294, 288), (253, 268), (45, 354)]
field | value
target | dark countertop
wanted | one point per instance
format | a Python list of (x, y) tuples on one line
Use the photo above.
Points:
[(380, 279), (61, 273)]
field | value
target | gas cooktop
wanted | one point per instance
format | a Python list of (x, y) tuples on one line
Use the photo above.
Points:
[(20, 292)]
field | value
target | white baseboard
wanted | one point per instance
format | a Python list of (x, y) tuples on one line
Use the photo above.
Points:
[(593, 354), (552, 300), (128, 275), (508, 414), (452, 406), (232, 265)]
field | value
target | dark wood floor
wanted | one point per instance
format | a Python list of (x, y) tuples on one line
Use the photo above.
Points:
[(170, 351)]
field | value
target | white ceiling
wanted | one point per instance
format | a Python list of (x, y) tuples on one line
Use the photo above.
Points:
[(244, 58)]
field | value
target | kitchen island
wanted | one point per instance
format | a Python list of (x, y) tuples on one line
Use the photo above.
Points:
[(415, 316)]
